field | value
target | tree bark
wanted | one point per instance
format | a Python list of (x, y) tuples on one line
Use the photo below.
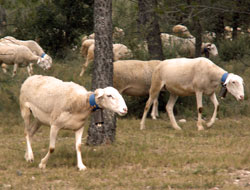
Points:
[(103, 71), (148, 25), (198, 36)]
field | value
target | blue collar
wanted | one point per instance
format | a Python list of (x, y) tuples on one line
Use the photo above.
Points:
[(93, 103), (224, 77), (43, 54)]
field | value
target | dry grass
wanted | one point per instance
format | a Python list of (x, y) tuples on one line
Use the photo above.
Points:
[(156, 158)]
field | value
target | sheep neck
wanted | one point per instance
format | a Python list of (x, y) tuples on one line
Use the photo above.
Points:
[(93, 103)]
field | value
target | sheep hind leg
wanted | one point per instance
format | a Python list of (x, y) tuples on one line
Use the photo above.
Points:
[(26, 114), (216, 104), (84, 67), (154, 112), (53, 133), (170, 106)]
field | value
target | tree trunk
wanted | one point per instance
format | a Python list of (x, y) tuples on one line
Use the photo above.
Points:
[(198, 36), (103, 71), (148, 24)]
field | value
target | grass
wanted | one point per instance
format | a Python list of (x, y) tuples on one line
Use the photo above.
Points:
[(155, 158)]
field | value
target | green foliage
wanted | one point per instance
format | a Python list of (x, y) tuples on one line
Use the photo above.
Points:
[(56, 25), (234, 49)]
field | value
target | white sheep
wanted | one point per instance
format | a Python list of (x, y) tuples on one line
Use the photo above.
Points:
[(62, 105), (33, 46), (186, 77), (19, 55), (120, 51), (181, 31), (187, 46), (133, 78), (86, 43)]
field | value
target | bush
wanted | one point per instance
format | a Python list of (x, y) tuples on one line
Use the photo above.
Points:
[(235, 49)]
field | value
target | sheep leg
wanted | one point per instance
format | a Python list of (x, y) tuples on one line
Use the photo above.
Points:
[(146, 109), (53, 133), (199, 108), (30, 69), (78, 136), (216, 104), (154, 112), (15, 69), (170, 106), (25, 112), (84, 66)]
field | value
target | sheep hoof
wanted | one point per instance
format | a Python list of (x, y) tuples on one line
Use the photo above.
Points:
[(142, 127), (42, 166), (200, 128), (29, 158), (82, 168)]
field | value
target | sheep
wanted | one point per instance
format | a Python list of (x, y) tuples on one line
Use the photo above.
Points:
[(86, 43), (133, 78), (185, 77), (32, 45), (181, 31), (19, 55), (187, 46), (119, 50), (62, 105)]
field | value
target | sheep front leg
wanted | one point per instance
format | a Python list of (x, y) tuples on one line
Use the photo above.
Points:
[(78, 136), (170, 106), (15, 69), (199, 108), (53, 133), (216, 104), (146, 109)]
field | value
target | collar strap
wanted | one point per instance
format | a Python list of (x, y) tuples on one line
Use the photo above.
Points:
[(93, 103), (43, 54), (224, 77)]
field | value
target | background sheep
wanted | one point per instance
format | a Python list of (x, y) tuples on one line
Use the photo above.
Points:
[(120, 51), (133, 78), (19, 55), (32, 45), (62, 105), (185, 77), (187, 46), (181, 31)]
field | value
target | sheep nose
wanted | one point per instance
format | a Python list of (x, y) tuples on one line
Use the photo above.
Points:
[(125, 110), (241, 97)]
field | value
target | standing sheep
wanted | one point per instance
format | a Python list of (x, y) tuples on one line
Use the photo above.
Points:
[(62, 105), (187, 46), (133, 78), (19, 55), (33, 46), (120, 51), (186, 77)]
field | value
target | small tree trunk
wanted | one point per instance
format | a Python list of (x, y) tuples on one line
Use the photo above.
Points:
[(103, 71), (198, 36)]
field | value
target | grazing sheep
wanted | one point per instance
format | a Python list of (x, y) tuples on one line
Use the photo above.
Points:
[(33, 46), (187, 46), (133, 78), (186, 77), (120, 51), (62, 105), (19, 55), (181, 31)]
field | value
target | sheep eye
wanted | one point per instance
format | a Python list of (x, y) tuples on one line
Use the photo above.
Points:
[(110, 96)]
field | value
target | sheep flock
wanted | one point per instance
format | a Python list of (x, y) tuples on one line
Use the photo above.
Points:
[(67, 105)]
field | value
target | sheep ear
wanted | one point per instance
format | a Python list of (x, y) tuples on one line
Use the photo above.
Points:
[(99, 92), (228, 79)]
